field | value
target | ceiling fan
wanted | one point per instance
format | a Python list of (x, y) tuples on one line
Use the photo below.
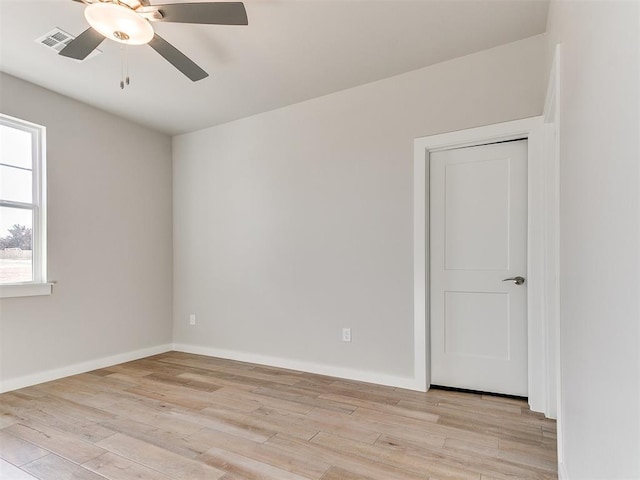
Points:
[(130, 22)]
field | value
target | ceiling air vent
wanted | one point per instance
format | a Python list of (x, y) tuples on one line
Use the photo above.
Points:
[(57, 39)]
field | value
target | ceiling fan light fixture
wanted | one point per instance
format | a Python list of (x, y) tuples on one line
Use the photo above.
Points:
[(119, 23)]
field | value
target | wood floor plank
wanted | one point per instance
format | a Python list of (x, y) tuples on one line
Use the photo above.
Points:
[(540, 451), (336, 473), (274, 455), (229, 395), (115, 467), (477, 458), (399, 458), (6, 420), (90, 432), (177, 416), (419, 435), (231, 422), (61, 443), (52, 467), (11, 472), (281, 421), (172, 464), (18, 451), (490, 428), (382, 407), (172, 441), (345, 460), (147, 411), (328, 421), (303, 397), (244, 466)]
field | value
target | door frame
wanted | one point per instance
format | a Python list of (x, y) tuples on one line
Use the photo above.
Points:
[(531, 129)]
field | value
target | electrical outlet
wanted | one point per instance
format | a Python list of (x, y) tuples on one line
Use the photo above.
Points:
[(346, 335), (192, 319)]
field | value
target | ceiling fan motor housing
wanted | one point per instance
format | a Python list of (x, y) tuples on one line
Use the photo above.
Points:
[(119, 22)]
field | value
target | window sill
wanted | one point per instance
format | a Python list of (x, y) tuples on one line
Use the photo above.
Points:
[(25, 290)]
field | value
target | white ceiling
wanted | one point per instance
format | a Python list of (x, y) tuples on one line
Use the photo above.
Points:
[(292, 50)]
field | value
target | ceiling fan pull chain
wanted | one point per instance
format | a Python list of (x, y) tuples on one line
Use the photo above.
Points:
[(126, 63), (121, 67), (124, 66)]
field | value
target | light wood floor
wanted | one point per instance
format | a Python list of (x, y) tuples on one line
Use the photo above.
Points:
[(186, 417)]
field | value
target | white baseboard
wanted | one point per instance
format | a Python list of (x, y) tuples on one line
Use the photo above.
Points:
[(302, 366), (82, 367), (562, 472), (10, 384)]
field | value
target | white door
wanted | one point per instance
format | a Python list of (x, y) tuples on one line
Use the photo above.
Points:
[(478, 238)]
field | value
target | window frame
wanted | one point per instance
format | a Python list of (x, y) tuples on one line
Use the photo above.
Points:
[(38, 285)]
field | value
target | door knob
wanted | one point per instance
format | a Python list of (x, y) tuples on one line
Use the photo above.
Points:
[(516, 280)]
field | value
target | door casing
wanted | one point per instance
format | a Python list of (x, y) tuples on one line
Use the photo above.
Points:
[(533, 130)]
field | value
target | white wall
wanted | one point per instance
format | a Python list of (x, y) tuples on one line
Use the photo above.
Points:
[(292, 224), (600, 248), (110, 244)]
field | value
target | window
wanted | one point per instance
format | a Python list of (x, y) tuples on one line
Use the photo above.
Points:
[(22, 209)]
